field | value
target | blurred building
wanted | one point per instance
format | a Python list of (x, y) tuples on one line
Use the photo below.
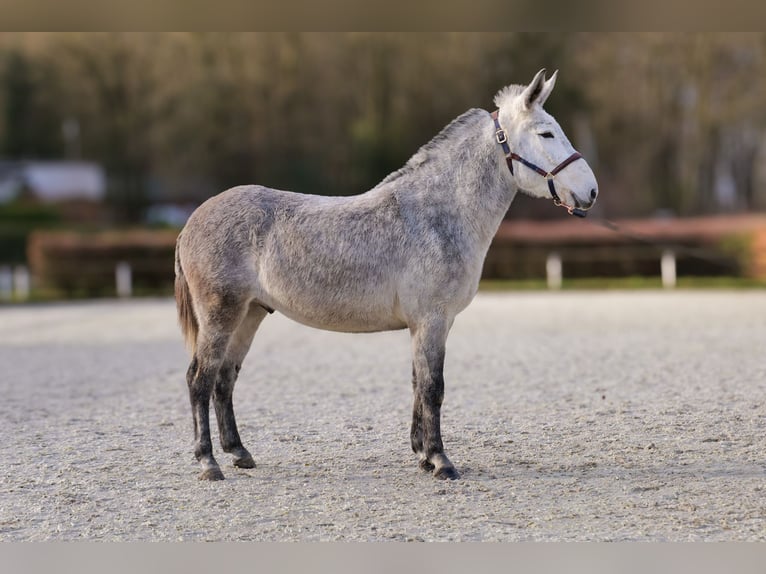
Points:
[(76, 188)]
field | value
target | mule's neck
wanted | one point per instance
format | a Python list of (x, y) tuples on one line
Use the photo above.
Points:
[(459, 176), (474, 185), (485, 194)]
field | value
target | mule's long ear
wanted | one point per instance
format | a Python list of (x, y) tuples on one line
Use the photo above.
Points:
[(532, 92), (547, 88)]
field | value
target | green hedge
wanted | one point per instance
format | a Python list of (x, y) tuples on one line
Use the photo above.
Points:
[(17, 222)]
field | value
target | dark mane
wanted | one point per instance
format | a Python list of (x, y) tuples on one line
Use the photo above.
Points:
[(426, 152)]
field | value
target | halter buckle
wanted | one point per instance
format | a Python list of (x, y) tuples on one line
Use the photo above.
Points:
[(500, 136)]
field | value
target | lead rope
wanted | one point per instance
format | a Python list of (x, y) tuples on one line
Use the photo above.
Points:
[(681, 249)]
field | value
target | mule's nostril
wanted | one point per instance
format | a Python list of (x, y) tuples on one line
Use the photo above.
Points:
[(593, 193)]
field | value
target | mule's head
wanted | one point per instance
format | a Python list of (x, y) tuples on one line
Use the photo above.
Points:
[(534, 135)]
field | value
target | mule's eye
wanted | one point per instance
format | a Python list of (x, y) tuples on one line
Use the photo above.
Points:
[(546, 135)]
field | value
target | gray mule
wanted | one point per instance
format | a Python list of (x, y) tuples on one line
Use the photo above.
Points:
[(406, 254)]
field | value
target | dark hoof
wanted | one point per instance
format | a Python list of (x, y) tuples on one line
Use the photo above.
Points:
[(244, 462), (211, 474), (425, 465), (447, 472)]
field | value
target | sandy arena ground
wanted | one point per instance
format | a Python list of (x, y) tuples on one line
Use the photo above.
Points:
[(571, 416)]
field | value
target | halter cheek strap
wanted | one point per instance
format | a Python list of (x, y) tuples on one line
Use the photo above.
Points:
[(510, 156)]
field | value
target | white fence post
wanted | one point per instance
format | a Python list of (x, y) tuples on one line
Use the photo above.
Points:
[(21, 283), (124, 278), (6, 283), (553, 270), (668, 269)]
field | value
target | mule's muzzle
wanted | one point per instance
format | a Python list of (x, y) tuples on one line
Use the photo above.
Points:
[(587, 202), (581, 206)]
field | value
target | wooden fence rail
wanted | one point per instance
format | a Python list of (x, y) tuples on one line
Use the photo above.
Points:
[(128, 262)]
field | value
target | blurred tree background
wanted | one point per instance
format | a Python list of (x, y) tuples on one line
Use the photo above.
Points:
[(671, 123)]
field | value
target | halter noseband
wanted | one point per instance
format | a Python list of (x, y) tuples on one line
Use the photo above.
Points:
[(502, 139)]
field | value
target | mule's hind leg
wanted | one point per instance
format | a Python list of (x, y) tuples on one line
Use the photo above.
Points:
[(428, 346), (224, 387), (218, 323)]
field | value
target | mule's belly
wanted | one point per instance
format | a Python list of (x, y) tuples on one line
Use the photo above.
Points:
[(334, 298), (342, 320), (333, 302), (349, 311)]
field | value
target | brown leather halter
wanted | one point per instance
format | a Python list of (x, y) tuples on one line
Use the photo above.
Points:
[(510, 156)]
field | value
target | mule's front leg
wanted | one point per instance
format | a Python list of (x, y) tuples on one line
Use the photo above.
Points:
[(200, 378), (416, 431), (429, 340)]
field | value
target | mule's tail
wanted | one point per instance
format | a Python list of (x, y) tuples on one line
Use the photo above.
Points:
[(186, 317)]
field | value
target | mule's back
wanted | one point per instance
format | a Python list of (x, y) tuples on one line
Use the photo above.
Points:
[(329, 262)]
